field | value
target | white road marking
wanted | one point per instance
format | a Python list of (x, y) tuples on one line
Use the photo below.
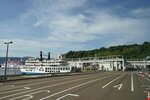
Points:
[(24, 81), (33, 84), (118, 86), (132, 85), (47, 87), (30, 95), (75, 95), (7, 87), (73, 87), (25, 88), (147, 79), (34, 80), (112, 81), (43, 80), (38, 83)]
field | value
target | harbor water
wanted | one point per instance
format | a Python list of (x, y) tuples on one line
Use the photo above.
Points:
[(10, 71)]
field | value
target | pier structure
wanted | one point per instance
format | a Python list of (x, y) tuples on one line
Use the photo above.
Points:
[(139, 63), (106, 63)]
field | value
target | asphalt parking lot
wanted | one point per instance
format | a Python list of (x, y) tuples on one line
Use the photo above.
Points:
[(98, 86)]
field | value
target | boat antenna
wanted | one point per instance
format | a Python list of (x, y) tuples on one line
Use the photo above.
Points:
[(49, 57), (41, 56)]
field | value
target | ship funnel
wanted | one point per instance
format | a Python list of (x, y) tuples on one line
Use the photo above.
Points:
[(49, 55), (41, 56)]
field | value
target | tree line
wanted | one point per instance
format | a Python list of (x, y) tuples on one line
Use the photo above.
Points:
[(135, 51)]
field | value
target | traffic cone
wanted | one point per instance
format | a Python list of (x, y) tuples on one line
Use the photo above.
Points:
[(148, 96), (142, 76)]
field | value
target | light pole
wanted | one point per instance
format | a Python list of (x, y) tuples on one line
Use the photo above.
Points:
[(6, 58)]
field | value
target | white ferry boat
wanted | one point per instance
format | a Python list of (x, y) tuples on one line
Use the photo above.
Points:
[(12, 64), (13, 67), (39, 66)]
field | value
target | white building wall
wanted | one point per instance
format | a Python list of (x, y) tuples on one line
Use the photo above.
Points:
[(107, 65), (76, 64)]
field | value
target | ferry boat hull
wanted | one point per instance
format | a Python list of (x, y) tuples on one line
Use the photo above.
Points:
[(48, 70)]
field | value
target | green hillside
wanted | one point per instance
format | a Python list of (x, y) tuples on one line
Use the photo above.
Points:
[(135, 51)]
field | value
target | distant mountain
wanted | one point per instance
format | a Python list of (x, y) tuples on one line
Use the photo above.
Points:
[(135, 51), (2, 59)]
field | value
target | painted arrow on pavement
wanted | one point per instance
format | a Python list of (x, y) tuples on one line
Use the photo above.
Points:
[(118, 86)]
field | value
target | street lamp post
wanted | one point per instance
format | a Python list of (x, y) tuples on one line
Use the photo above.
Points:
[(6, 58)]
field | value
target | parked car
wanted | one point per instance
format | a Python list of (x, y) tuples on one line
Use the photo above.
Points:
[(140, 71)]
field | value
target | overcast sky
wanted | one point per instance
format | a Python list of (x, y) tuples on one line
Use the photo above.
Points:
[(59, 26)]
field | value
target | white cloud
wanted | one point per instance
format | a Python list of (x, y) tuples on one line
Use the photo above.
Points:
[(70, 24), (66, 25), (74, 28), (69, 28), (32, 47), (141, 12), (37, 23)]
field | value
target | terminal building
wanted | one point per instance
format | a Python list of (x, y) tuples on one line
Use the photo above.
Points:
[(107, 63)]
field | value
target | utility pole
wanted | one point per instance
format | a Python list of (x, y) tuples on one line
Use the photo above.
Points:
[(5, 77)]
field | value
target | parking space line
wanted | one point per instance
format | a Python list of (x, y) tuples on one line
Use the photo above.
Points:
[(74, 87), (29, 96), (112, 81), (75, 95), (32, 84), (25, 88), (46, 87), (7, 87), (147, 79), (132, 85), (37, 83)]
